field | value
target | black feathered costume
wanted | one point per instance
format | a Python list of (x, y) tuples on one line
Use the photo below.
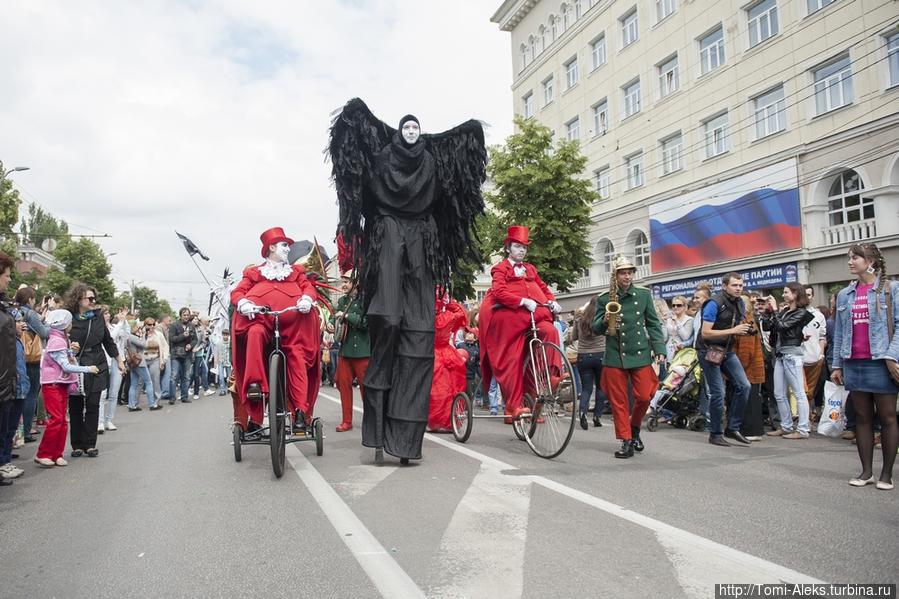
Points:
[(407, 214)]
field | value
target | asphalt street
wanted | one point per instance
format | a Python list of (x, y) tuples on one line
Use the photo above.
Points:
[(165, 511)]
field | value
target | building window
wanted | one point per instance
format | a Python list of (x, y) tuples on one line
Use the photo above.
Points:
[(578, 9), (711, 50), (605, 251), (571, 73), (548, 90), (672, 154), (668, 79), (762, 22), (631, 98), (598, 51), (641, 249), (601, 117), (532, 42), (602, 180), (573, 129), (542, 35), (665, 8), (770, 113), (566, 17), (833, 85), (816, 5), (893, 58), (716, 136), (629, 28), (634, 166), (528, 105), (845, 204), (554, 27)]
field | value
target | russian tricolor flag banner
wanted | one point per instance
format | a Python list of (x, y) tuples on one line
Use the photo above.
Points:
[(752, 214)]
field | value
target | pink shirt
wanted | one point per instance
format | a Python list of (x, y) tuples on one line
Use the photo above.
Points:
[(861, 343)]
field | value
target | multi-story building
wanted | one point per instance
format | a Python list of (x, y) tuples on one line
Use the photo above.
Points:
[(722, 135)]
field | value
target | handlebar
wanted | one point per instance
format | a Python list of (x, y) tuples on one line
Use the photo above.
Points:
[(267, 310)]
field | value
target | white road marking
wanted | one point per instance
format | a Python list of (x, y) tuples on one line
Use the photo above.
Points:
[(389, 578), (362, 479)]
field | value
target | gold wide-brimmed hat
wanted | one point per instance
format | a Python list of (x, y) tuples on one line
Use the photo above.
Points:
[(621, 262)]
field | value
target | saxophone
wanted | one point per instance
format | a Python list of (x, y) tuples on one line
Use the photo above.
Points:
[(613, 308)]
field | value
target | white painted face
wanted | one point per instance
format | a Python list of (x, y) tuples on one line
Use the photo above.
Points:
[(411, 132), (517, 251), (279, 252)]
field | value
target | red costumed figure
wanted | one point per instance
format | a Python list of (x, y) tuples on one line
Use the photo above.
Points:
[(449, 365), (275, 284), (504, 320)]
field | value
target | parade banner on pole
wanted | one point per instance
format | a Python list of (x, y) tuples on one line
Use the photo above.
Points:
[(766, 277), (753, 214)]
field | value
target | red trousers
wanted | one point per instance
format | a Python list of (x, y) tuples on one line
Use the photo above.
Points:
[(56, 400), (508, 350), (644, 382), (347, 370)]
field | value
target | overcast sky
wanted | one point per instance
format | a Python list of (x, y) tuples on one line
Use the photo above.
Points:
[(138, 118)]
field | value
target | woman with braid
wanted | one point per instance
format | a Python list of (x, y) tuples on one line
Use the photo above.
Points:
[(865, 355)]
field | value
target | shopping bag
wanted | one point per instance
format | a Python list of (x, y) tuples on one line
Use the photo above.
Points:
[(833, 418)]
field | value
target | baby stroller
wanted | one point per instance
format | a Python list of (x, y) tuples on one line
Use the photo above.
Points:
[(679, 393)]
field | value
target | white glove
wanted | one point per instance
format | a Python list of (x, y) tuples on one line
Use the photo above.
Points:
[(304, 304), (555, 307), (528, 303), (247, 308)]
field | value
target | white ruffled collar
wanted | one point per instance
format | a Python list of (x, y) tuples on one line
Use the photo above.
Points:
[(275, 271)]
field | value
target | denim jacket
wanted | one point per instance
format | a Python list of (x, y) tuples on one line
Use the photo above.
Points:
[(881, 347)]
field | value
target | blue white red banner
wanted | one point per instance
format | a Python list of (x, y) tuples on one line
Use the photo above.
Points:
[(754, 279)]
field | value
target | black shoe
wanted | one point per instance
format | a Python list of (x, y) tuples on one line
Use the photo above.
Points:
[(404, 461), (14, 456), (584, 421), (254, 392), (252, 427), (77, 453), (737, 436), (718, 440), (92, 452), (626, 451), (30, 439), (156, 407), (221, 393), (186, 400), (171, 402), (137, 409), (636, 441), (5, 482), (597, 422)]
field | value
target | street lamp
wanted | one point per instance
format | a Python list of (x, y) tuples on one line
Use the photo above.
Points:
[(14, 169)]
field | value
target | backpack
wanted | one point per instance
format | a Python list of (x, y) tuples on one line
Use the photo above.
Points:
[(33, 347)]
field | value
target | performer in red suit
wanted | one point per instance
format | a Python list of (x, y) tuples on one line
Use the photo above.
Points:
[(504, 320), (277, 285), (449, 366)]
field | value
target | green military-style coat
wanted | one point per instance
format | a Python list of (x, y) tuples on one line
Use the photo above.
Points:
[(639, 333), (356, 344)]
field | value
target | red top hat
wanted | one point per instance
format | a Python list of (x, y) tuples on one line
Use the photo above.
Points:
[(271, 237), (518, 234)]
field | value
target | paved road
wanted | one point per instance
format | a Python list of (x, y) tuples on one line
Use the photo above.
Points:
[(166, 512)]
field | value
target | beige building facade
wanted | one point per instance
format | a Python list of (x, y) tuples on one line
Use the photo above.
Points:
[(755, 136)]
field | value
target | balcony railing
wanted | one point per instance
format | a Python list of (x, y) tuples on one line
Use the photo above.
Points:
[(602, 280), (582, 283), (850, 232)]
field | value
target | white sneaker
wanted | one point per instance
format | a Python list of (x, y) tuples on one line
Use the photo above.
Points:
[(10, 471), (196, 396), (209, 392), (111, 427), (100, 429)]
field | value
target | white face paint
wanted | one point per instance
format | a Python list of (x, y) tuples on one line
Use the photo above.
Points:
[(279, 252), (411, 131), (517, 251)]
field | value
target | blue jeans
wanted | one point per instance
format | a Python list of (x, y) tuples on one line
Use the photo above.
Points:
[(224, 373), (181, 368), (30, 403), (590, 368), (107, 405), (165, 381), (9, 422), (789, 374), (493, 395), (141, 376), (712, 373), (200, 375)]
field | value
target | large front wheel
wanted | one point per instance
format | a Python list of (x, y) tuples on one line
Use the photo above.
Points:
[(549, 380), (276, 412)]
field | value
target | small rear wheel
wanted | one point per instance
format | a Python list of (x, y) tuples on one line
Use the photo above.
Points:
[(276, 412), (317, 429), (236, 435), (461, 417), (653, 423)]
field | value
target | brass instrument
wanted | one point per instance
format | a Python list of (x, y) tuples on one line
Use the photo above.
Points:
[(613, 308)]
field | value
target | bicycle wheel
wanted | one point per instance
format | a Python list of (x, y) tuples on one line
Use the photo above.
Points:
[(235, 433), (461, 417), (319, 436), (551, 380), (276, 412)]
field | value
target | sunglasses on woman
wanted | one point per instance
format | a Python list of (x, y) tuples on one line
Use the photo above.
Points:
[(677, 305), (90, 298)]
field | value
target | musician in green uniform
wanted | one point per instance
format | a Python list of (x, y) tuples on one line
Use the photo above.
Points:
[(351, 330)]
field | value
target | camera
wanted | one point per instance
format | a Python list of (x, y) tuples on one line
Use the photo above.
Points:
[(752, 330)]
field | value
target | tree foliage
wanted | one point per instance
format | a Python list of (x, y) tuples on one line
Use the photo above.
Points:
[(9, 204), (84, 261), (146, 303), (463, 278), (540, 186), (37, 225)]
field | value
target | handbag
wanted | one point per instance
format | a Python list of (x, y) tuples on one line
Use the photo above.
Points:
[(132, 359), (715, 354)]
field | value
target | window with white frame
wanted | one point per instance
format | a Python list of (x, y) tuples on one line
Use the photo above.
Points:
[(601, 117), (816, 5), (672, 153), (641, 249), (598, 51), (527, 103), (548, 90), (631, 98), (603, 182), (833, 85), (711, 50), (716, 135), (578, 9), (566, 17), (665, 8), (523, 55), (543, 41), (605, 253), (770, 112), (532, 42), (893, 58), (668, 79), (571, 73), (845, 202), (633, 166), (762, 21), (573, 129), (629, 28)]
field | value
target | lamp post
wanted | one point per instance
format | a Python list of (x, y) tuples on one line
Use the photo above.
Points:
[(14, 169)]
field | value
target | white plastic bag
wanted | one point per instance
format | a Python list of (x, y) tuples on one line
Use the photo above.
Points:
[(833, 418)]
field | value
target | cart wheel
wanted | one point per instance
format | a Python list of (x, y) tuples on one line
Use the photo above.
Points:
[(276, 412), (522, 426), (680, 422), (235, 434), (698, 423), (553, 415), (461, 417), (319, 437)]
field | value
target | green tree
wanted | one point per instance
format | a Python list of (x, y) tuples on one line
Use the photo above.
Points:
[(540, 187), (9, 204), (464, 276), (146, 302), (37, 225), (84, 261)]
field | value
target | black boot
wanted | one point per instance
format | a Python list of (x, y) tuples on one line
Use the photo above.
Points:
[(584, 420), (626, 451), (637, 442)]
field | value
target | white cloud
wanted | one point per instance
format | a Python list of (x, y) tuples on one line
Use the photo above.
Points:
[(211, 117)]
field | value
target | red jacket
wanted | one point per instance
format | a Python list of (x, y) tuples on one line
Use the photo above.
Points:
[(277, 295), (508, 288)]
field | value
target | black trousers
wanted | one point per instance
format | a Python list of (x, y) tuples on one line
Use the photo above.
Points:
[(84, 412), (753, 422)]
